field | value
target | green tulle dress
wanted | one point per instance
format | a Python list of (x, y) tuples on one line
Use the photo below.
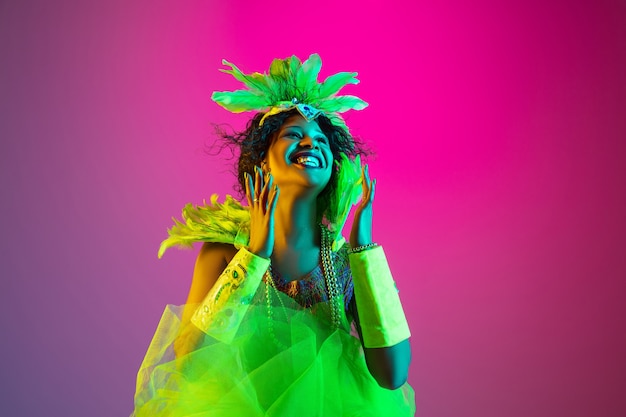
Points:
[(295, 364)]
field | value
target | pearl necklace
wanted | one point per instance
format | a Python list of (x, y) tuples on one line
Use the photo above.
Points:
[(330, 278)]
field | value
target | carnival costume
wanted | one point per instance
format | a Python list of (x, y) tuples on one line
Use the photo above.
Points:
[(259, 345)]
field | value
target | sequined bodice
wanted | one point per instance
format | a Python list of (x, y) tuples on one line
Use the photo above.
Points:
[(311, 288)]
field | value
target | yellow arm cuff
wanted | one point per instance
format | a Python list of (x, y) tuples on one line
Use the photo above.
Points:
[(381, 317), (225, 305)]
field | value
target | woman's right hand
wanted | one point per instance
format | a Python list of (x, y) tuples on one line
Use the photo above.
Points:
[(262, 196)]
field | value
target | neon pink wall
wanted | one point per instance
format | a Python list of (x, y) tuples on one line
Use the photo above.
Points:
[(500, 132)]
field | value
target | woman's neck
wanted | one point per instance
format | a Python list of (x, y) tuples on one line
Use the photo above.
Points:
[(295, 223)]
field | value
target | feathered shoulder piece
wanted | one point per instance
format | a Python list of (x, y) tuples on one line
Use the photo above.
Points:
[(347, 193), (229, 222), (291, 84)]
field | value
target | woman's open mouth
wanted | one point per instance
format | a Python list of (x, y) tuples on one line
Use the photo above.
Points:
[(307, 159)]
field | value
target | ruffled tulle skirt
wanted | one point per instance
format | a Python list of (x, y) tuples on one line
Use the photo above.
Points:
[(295, 364)]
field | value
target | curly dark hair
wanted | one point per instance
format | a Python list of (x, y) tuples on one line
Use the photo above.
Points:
[(253, 143)]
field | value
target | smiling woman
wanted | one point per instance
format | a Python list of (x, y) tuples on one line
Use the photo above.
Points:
[(282, 318)]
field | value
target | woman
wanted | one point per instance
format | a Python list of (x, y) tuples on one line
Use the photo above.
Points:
[(266, 330)]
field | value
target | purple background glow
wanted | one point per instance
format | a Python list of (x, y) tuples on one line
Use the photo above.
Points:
[(500, 131)]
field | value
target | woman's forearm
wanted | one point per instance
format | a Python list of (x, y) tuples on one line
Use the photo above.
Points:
[(389, 365)]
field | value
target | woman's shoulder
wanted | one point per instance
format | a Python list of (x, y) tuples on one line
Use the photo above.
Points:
[(211, 261), (212, 251)]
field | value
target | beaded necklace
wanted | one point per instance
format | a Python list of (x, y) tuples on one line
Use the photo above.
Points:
[(330, 279)]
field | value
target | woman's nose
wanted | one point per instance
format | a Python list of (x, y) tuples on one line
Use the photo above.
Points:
[(308, 141)]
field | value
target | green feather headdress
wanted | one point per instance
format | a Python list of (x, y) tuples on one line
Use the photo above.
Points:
[(291, 84)]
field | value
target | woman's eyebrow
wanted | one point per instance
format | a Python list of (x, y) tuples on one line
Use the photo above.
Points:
[(291, 127)]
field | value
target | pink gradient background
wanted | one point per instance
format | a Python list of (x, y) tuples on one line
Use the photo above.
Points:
[(500, 130)]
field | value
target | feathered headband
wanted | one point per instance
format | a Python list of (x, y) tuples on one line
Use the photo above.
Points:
[(291, 84)]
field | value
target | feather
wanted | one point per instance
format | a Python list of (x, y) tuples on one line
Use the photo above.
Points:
[(348, 192), (251, 80), (294, 63), (280, 69), (306, 76), (333, 83), (340, 104), (222, 223), (260, 78), (240, 100)]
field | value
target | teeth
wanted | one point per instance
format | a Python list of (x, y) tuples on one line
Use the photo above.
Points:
[(308, 161)]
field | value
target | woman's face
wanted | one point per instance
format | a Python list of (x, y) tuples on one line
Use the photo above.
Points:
[(300, 155)]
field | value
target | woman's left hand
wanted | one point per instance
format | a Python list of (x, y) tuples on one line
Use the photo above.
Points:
[(361, 233)]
